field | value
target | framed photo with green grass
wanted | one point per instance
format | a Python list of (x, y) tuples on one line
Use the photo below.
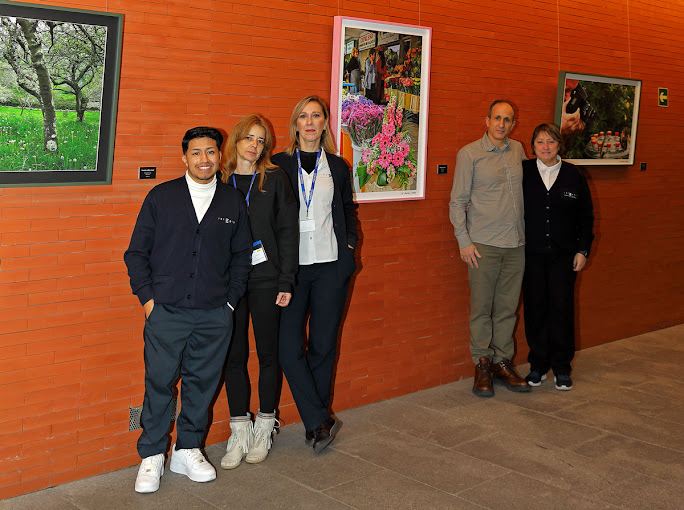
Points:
[(59, 84)]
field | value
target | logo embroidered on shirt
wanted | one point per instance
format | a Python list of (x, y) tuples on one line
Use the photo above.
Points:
[(226, 220), (569, 194)]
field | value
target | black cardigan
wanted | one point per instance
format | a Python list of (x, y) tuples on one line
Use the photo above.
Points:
[(561, 219), (177, 261), (273, 221), (343, 206)]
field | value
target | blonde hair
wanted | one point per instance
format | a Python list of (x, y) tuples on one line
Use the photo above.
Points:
[(327, 141), (239, 132)]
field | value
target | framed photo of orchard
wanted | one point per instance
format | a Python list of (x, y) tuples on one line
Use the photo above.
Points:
[(598, 118), (59, 83), (379, 106)]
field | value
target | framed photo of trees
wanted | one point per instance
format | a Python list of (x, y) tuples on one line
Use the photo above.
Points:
[(59, 83), (598, 118)]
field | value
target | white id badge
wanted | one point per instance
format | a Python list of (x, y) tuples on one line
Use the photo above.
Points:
[(307, 225), (258, 253)]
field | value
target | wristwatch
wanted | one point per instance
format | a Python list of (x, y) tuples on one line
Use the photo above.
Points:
[(584, 252)]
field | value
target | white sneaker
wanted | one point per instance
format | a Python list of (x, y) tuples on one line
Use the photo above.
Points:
[(239, 442), (149, 474), (192, 463), (264, 430)]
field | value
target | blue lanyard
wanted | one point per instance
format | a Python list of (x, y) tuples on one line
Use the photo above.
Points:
[(250, 186), (313, 181)]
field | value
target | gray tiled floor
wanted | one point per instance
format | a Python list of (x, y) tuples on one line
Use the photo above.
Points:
[(616, 441)]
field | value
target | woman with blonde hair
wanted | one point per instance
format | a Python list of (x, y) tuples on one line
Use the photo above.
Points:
[(273, 220), (327, 238)]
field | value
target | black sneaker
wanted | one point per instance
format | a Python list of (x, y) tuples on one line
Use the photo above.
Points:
[(563, 382), (535, 378)]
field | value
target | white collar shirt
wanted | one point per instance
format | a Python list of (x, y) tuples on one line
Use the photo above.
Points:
[(320, 245), (549, 174)]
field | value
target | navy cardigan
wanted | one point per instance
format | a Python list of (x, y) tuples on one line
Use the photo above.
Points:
[(559, 220), (175, 260), (343, 206)]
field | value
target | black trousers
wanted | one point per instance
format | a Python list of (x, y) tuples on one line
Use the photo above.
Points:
[(320, 292), (190, 344), (549, 298), (260, 304)]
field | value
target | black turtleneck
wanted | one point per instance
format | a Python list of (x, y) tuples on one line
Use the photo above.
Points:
[(308, 160)]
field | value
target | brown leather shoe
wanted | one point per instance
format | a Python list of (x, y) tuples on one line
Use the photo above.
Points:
[(482, 385), (504, 372)]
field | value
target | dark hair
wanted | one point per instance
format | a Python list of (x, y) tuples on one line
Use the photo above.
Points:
[(327, 141), (202, 132), (239, 132), (553, 132), (499, 101), (372, 51)]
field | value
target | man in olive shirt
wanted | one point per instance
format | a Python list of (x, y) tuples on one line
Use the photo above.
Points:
[(486, 209)]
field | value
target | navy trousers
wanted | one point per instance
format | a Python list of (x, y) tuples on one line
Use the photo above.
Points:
[(549, 297), (321, 292), (191, 344)]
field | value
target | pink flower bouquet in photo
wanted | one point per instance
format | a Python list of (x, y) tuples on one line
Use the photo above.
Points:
[(389, 155)]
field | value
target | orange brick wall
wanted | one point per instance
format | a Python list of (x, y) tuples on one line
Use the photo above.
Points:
[(70, 330)]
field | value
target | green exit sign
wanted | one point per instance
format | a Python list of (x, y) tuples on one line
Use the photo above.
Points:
[(663, 97)]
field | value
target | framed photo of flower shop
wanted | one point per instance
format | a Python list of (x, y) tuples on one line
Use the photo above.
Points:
[(598, 117), (379, 106), (59, 82)]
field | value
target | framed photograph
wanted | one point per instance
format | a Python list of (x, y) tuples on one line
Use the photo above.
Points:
[(598, 117), (379, 106), (59, 84)]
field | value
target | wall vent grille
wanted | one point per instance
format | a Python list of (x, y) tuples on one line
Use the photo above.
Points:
[(135, 412)]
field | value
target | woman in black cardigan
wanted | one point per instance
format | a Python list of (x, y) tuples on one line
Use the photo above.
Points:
[(559, 223), (327, 238), (273, 221)]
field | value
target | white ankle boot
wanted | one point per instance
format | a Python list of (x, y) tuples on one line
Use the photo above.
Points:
[(264, 430), (241, 435)]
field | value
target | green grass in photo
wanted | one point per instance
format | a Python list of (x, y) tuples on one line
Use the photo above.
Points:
[(21, 141)]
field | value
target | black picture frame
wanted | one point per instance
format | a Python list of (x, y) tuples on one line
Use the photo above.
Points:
[(102, 173)]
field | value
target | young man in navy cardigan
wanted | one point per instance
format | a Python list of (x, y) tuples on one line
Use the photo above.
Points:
[(188, 261)]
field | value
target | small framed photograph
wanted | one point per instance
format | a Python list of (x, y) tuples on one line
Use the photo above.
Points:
[(59, 85), (379, 106), (597, 116)]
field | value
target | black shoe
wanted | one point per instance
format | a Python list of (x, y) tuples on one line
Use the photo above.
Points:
[(325, 433), (535, 378), (563, 382), (309, 438)]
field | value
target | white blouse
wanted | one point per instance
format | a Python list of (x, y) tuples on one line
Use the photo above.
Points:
[(319, 245), (549, 174)]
